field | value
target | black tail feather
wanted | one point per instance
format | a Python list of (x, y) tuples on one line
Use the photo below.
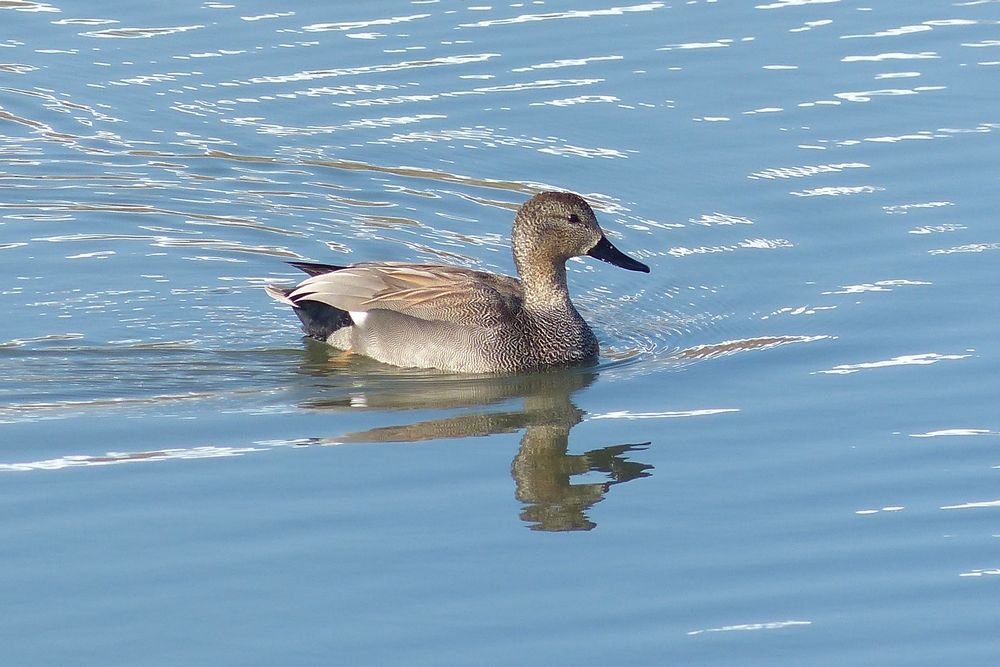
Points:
[(314, 269), (319, 320)]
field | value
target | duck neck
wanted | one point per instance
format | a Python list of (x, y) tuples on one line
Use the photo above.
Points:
[(544, 284)]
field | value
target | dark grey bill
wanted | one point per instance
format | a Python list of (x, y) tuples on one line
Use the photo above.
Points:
[(606, 252)]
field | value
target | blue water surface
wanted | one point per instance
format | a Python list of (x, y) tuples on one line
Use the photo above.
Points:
[(788, 453)]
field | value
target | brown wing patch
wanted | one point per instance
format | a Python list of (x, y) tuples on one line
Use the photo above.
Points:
[(429, 292)]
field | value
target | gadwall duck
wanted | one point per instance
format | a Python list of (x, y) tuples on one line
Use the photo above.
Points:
[(457, 319)]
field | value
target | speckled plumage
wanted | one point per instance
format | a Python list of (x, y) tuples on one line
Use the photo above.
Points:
[(458, 319)]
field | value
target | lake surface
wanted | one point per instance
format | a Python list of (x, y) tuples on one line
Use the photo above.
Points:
[(787, 455)]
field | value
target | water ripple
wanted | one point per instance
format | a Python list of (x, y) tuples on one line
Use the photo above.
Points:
[(570, 14), (138, 33), (925, 359), (355, 25)]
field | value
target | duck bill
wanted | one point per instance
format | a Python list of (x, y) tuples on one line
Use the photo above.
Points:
[(607, 252)]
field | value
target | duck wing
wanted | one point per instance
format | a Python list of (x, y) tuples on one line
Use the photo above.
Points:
[(425, 291)]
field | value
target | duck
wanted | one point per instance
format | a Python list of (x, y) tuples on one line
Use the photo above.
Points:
[(463, 320)]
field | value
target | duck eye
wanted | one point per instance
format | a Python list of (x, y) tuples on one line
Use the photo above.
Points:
[(573, 217)]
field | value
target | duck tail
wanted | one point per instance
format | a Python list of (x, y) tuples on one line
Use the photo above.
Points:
[(280, 294), (315, 269), (319, 319)]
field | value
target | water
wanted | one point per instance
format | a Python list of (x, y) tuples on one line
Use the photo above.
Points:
[(787, 454)]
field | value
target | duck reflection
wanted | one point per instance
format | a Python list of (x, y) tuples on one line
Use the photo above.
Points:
[(543, 469)]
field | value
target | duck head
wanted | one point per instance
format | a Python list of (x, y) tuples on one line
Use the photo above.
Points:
[(555, 226)]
